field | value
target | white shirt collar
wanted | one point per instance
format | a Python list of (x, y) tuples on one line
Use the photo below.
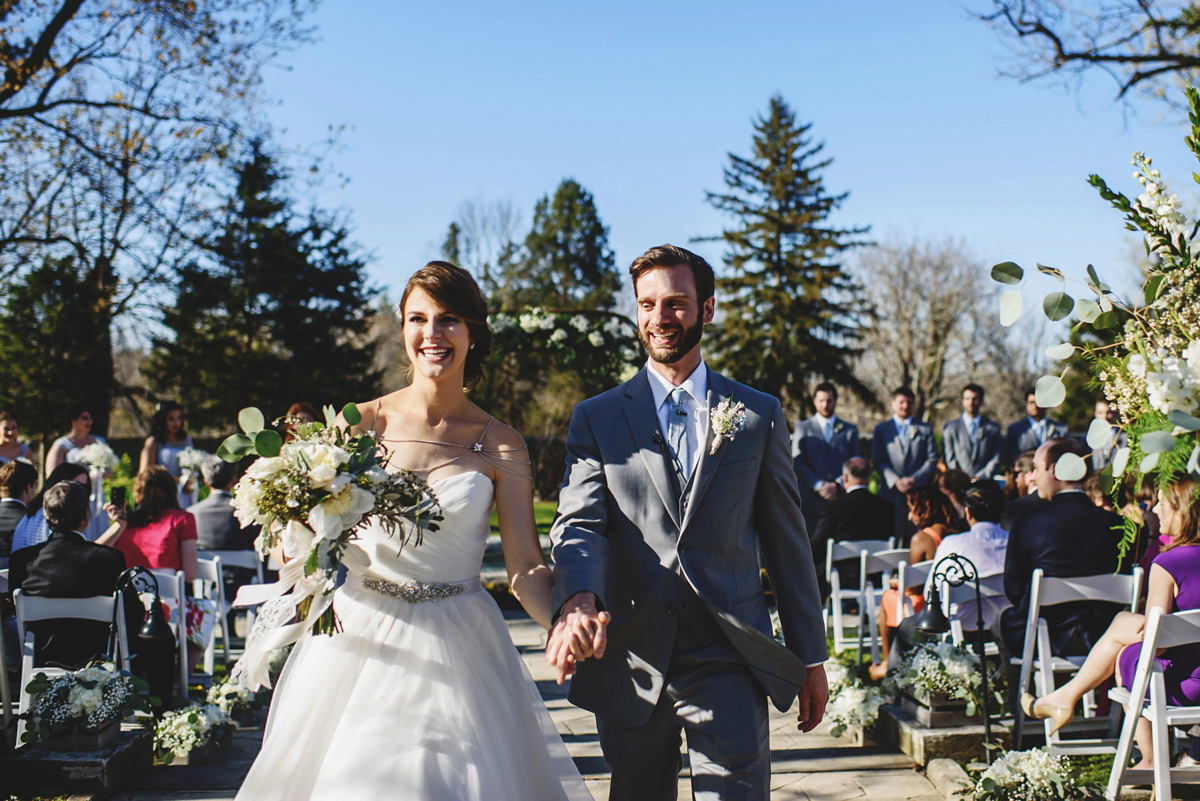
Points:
[(695, 385), (968, 419), (901, 422), (823, 420), (1035, 422)]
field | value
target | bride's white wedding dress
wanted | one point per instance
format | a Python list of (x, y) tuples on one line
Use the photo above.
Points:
[(414, 700)]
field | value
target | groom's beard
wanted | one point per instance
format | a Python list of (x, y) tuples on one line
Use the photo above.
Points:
[(688, 339)]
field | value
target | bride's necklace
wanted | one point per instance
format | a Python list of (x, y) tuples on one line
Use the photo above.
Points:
[(490, 455)]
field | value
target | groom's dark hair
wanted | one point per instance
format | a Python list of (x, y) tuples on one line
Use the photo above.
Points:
[(672, 256)]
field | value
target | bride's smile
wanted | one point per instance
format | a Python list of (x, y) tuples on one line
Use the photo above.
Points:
[(435, 339)]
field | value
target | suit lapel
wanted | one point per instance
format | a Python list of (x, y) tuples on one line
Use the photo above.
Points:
[(642, 418), (719, 388)]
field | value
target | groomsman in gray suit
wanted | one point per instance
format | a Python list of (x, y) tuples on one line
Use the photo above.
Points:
[(678, 483), (820, 447), (972, 443), (904, 451), (1028, 433)]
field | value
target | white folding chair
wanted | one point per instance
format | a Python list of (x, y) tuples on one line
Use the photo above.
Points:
[(887, 563), (954, 597), (249, 560), (34, 608), (1161, 631), (209, 584), (1039, 664), (840, 552), (171, 591), (4, 580)]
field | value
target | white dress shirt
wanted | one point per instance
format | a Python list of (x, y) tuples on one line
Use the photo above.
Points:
[(984, 545), (695, 404)]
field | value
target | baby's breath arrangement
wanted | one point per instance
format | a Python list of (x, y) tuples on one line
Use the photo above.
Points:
[(83, 701), (1032, 775), (97, 456), (232, 698), (181, 731), (851, 702), (1146, 358), (943, 668), (191, 459)]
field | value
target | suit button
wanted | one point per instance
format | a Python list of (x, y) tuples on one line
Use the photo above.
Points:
[(670, 609)]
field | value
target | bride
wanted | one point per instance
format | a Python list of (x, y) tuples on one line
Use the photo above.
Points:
[(422, 695)]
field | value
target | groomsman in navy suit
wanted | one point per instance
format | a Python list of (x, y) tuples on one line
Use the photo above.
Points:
[(1102, 457), (1029, 433), (820, 446), (904, 452), (972, 443)]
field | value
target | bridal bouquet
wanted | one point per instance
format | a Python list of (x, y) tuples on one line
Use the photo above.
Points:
[(1144, 353), (310, 496), (97, 456)]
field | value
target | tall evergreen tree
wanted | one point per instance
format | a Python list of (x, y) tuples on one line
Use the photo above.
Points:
[(791, 314), (566, 264), (49, 324), (279, 312)]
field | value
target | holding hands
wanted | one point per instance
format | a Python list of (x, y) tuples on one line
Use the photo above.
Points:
[(579, 632)]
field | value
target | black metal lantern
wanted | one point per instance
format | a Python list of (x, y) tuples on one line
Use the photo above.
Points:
[(956, 570), (142, 580)]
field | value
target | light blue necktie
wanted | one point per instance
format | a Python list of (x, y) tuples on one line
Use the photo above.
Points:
[(972, 429), (677, 420)]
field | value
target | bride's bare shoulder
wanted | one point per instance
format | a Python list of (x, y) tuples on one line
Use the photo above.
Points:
[(503, 437)]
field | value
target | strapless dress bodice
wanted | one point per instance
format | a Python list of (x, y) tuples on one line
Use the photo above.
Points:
[(451, 554)]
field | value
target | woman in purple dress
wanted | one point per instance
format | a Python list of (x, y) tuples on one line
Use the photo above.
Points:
[(1174, 585)]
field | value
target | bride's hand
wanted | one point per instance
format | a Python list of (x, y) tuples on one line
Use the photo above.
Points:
[(579, 632)]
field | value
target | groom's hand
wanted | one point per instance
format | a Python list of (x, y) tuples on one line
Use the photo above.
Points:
[(579, 632), (812, 699)]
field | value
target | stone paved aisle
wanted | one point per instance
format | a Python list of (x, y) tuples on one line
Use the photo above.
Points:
[(806, 767)]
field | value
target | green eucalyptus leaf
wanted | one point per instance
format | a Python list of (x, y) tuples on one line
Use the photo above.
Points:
[(1121, 461), (251, 420), (1087, 310), (1097, 284), (1149, 462), (1157, 442), (1070, 467), (1193, 464), (1044, 270), (1050, 391), (235, 447), (1060, 352), (1010, 307), (268, 442), (1106, 320), (1184, 420), (351, 414), (1098, 433), (1106, 482), (1058, 305), (1007, 272)]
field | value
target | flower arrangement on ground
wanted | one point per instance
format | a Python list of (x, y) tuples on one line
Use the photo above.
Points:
[(83, 701), (233, 698), (943, 668), (310, 496), (852, 704), (1145, 357), (97, 456), (1032, 775), (182, 731)]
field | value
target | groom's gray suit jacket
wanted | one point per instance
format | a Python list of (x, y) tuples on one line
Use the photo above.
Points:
[(623, 534)]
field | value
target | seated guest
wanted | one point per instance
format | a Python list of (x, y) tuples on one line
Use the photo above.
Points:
[(1174, 585), (984, 544), (159, 534), (954, 484), (1069, 536), (68, 566), (931, 512), (1026, 497), (18, 485), (857, 514), (35, 529), (216, 527)]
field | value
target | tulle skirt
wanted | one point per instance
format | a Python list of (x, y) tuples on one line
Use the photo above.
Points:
[(411, 701)]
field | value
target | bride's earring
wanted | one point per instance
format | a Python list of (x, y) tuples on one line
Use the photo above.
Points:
[(472, 346)]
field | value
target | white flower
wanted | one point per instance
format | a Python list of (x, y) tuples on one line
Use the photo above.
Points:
[(376, 474), (247, 498), (727, 420), (297, 539), (266, 468), (341, 511), (596, 338), (97, 456), (580, 323), (558, 336)]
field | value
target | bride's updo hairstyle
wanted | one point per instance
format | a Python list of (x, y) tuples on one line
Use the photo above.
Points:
[(455, 290)]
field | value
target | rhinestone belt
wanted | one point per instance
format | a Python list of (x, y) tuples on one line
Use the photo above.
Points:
[(414, 591)]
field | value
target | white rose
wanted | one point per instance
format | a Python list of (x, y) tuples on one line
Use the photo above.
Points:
[(597, 339), (558, 336), (321, 476), (376, 475), (297, 539), (266, 468)]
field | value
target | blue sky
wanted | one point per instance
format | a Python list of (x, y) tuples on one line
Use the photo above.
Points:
[(641, 101)]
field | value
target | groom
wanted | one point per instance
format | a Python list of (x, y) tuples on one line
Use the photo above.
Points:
[(665, 508)]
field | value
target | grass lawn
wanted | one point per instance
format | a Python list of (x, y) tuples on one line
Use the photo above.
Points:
[(543, 515)]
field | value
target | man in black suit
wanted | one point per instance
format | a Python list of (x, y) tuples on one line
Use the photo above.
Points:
[(18, 484), (856, 515), (1027, 494), (68, 566), (1069, 536)]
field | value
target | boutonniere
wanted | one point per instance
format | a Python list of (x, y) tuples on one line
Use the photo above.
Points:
[(912, 432), (728, 418), (838, 426)]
